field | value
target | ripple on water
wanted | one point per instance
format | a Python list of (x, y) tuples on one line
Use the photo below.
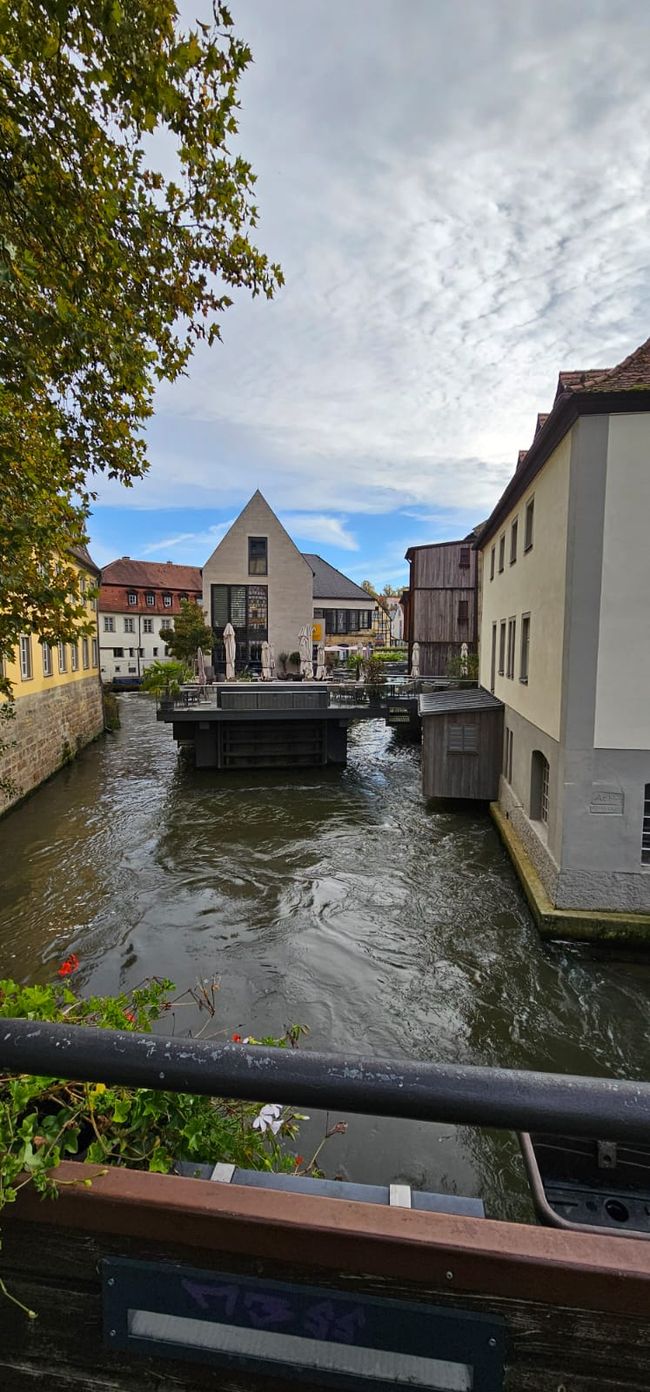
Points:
[(340, 901)]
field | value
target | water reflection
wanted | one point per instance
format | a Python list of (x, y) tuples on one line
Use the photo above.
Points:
[(339, 901)]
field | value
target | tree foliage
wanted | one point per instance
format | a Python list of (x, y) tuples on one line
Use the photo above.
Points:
[(189, 633), (111, 268)]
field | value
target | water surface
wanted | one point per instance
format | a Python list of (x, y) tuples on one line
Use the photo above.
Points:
[(337, 900)]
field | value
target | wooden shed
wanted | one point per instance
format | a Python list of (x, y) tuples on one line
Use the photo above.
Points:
[(462, 742)]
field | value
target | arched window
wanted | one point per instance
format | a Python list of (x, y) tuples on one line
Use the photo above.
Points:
[(539, 781)]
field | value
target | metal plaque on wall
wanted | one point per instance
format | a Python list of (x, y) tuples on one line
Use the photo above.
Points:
[(302, 1332)]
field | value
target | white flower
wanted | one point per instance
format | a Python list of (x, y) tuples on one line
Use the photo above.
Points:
[(269, 1119)]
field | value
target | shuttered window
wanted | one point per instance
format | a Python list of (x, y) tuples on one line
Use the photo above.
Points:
[(462, 739)]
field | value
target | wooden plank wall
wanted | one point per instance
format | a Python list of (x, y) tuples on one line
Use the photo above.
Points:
[(457, 775), (553, 1347)]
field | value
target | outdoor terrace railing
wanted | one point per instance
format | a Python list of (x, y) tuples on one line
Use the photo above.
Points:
[(507, 1099)]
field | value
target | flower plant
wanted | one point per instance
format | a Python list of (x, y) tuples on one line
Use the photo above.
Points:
[(44, 1120)]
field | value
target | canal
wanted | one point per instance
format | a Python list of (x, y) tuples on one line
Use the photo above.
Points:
[(336, 900)]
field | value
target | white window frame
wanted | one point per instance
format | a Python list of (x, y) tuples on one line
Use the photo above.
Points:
[(84, 654), (63, 665), (95, 653), (129, 625), (26, 672), (109, 623), (74, 657), (48, 665)]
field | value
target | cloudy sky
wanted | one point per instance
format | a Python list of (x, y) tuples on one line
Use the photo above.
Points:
[(459, 194)]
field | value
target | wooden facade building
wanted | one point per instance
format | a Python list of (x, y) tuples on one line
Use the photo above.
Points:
[(441, 608)]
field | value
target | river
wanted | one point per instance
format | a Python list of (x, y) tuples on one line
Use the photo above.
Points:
[(337, 900)]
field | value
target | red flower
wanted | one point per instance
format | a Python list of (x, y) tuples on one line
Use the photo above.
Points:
[(69, 966), (236, 1038), (300, 1160), (128, 1015)]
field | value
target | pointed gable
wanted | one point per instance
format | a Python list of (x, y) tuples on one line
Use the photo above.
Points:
[(256, 518)]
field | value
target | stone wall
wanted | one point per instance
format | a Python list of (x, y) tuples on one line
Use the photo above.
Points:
[(49, 729)]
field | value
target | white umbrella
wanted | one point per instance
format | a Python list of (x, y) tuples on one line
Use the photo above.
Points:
[(320, 663), (229, 644), (415, 660), (266, 662), (200, 670), (464, 654), (272, 661), (304, 648)]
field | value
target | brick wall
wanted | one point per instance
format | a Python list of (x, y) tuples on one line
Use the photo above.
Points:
[(49, 729)]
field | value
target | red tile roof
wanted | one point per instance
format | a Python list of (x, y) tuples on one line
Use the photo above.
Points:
[(155, 575), (541, 420), (124, 577), (630, 374), (579, 380)]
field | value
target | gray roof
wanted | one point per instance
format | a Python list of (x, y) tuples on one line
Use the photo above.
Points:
[(461, 699), (330, 583)]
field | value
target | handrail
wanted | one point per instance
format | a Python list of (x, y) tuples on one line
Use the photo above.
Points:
[(509, 1099)]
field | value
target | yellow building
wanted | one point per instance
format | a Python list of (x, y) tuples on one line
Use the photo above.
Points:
[(58, 699)]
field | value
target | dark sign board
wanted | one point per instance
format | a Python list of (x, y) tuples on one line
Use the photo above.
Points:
[(307, 1333)]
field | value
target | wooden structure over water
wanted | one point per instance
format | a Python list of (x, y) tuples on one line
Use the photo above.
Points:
[(246, 725), (462, 743)]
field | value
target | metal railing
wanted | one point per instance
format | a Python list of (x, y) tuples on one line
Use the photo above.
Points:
[(508, 1099)]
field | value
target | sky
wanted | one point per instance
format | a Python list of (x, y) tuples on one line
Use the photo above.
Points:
[(459, 195)]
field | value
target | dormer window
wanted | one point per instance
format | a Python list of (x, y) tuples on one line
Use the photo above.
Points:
[(167, 601), (257, 556), (151, 600), (132, 597)]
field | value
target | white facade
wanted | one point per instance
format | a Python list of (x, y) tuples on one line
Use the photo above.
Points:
[(259, 581), (129, 643)]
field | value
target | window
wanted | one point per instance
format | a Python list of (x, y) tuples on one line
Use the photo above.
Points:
[(493, 553), (525, 647), (118, 652), (464, 558), (155, 652), (147, 625), (132, 669), (502, 553), (502, 648), (512, 637), (167, 601), (513, 540), (463, 611), (319, 613), (132, 597), (365, 618), (82, 586), (47, 660), (84, 653), (118, 669), (257, 556), (462, 739), (529, 524), (507, 756), (341, 621), (95, 653), (74, 657), (62, 656), (182, 599), (539, 787), (129, 625), (151, 600), (109, 625), (493, 658), (25, 657), (132, 652), (645, 833)]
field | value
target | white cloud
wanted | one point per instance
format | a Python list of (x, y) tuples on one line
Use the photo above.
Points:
[(209, 537), (312, 526), (460, 197)]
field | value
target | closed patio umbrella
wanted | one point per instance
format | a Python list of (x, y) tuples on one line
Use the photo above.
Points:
[(415, 660), (304, 648), (266, 662), (200, 671), (320, 663), (229, 641)]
